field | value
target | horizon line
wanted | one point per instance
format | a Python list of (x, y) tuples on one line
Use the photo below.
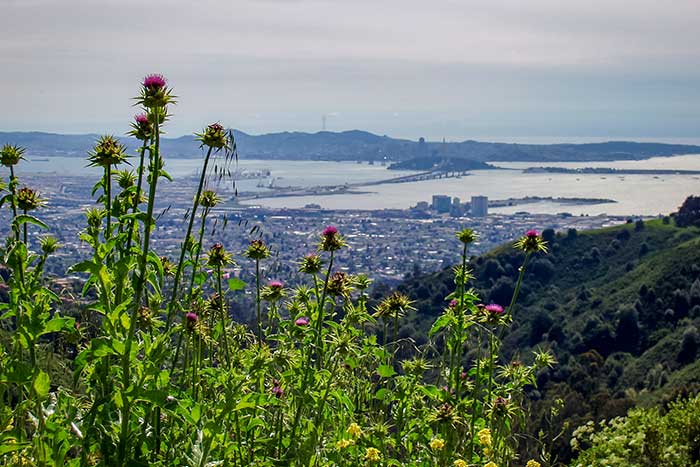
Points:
[(590, 139)]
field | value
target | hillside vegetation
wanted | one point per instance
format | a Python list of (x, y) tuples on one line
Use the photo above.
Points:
[(619, 307)]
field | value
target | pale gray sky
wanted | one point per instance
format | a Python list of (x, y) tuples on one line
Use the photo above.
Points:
[(454, 68)]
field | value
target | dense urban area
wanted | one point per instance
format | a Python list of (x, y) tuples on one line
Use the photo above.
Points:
[(391, 244)]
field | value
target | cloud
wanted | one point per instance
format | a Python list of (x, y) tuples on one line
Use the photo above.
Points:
[(510, 64)]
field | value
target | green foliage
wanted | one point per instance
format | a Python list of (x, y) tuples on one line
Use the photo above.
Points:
[(643, 438), (689, 213), (156, 372), (620, 324)]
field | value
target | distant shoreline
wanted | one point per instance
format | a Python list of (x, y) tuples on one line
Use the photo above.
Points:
[(356, 145), (609, 171)]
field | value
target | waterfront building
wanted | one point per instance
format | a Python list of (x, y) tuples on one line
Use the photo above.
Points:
[(442, 203), (479, 206)]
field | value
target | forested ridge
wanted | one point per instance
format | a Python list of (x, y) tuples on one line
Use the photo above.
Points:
[(619, 307)]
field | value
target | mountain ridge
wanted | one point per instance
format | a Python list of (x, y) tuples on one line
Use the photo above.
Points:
[(360, 145)]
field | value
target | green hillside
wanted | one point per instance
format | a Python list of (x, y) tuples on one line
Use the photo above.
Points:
[(620, 307)]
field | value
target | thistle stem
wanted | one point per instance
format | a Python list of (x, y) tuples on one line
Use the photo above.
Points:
[(26, 236), (154, 169), (476, 392), (108, 200), (180, 263), (321, 309), (137, 201), (516, 292), (460, 322), (223, 315), (198, 249), (13, 190), (491, 361), (257, 301)]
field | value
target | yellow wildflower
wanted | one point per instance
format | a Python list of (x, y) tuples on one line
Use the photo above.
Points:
[(460, 463), (491, 464), (487, 452), (343, 443), (485, 437), (355, 430), (436, 444), (372, 455), (533, 463)]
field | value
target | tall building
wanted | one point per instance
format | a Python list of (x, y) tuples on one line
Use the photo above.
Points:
[(442, 203), (480, 206)]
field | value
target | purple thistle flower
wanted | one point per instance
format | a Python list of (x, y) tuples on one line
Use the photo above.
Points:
[(329, 231), (453, 303), (277, 390), (191, 320), (275, 284), (154, 81), (495, 309), (226, 275), (141, 119), (532, 233), (216, 127), (303, 321)]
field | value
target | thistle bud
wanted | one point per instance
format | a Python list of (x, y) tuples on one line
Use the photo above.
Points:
[(273, 292), (277, 389), (302, 322), (339, 284), (257, 250), (168, 266), (214, 136), (28, 199), (11, 155), (361, 282), (191, 320), (466, 236), (209, 199), (311, 264), (49, 245), (394, 306), (142, 129), (125, 179), (154, 92), (218, 256), (532, 242), (107, 152), (94, 217), (331, 239)]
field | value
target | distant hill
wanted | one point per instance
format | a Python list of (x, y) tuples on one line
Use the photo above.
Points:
[(361, 145), (442, 164), (620, 308)]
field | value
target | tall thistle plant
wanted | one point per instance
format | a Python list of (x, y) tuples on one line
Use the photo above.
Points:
[(24, 379), (215, 139), (155, 97), (142, 130), (10, 155), (309, 384)]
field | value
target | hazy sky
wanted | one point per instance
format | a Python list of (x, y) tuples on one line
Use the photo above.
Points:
[(454, 68)]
